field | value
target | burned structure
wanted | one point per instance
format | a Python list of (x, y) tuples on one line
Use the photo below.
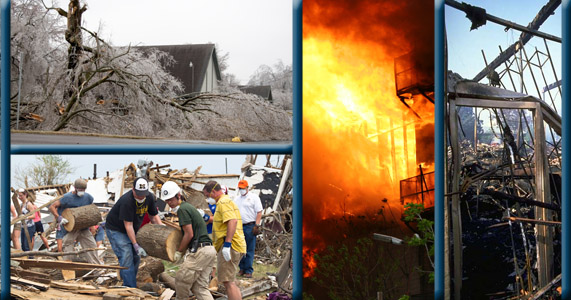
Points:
[(503, 180)]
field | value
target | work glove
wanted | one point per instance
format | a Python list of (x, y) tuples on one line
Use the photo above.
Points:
[(226, 251), (204, 216), (140, 251), (178, 257), (61, 220)]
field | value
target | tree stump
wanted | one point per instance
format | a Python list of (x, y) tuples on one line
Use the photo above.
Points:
[(159, 241), (81, 217)]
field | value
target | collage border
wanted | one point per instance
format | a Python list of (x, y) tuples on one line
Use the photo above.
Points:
[(295, 149)]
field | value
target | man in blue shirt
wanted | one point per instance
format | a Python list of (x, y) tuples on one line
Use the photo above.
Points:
[(76, 198), (122, 224)]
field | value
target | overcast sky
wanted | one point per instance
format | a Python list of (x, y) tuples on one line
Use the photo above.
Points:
[(83, 164), (254, 32)]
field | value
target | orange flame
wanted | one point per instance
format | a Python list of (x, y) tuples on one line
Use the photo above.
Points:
[(359, 140)]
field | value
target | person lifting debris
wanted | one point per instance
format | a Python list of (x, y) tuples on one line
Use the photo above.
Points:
[(196, 254)]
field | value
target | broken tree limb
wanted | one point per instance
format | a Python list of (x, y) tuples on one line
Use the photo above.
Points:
[(52, 254), (159, 241), (509, 197), (81, 217), (22, 217)]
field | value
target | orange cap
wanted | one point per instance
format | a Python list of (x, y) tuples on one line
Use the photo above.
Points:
[(242, 184)]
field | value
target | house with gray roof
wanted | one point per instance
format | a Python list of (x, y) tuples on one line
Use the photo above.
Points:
[(264, 91), (196, 66)]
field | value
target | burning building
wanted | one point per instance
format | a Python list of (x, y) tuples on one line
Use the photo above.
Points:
[(368, 149)]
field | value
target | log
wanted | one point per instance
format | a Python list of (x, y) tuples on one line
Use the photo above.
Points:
[(159, 241), (81, 217), (149, 269)]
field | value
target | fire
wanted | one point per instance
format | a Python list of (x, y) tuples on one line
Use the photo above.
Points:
[(359, 139)]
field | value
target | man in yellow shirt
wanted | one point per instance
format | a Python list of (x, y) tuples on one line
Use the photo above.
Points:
[(229, 237)]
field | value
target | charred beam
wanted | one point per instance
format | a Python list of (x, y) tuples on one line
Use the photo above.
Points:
[(500, 195), (479, 15)]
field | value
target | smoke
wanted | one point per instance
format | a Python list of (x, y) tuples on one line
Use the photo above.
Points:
[(394, 26)]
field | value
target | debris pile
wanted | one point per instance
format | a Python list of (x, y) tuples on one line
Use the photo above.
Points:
[(43, 274)]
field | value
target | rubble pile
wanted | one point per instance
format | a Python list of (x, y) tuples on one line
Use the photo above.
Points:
[(42, 274)]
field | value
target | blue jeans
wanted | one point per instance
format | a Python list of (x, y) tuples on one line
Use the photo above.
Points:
[(247, 261), (24, 239), (123, 248)]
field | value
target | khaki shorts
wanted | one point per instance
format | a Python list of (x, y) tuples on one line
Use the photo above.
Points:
[(227, 269), (18, 226)]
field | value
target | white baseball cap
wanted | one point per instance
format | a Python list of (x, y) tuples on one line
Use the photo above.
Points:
[(141, 186)]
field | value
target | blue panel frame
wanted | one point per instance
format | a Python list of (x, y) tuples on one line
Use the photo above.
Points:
[(5, 146), (297, 150), (439, 109), (565, 114)]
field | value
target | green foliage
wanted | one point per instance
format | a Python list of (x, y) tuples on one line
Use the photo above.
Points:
[(45, 170), (412, 213), (404, 297), (357, 271)]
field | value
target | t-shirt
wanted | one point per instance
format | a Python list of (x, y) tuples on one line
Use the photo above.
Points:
[(249, 206), (227, 210), (71, 200), (127, 209), (187, 214)]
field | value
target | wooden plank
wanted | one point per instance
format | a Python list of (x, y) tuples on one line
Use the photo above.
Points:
[(52, 254), (68, 274), (167, 294), (40, 286), (30, 275), (71, 286), (55, 264), (260, 287), (533, 221)]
